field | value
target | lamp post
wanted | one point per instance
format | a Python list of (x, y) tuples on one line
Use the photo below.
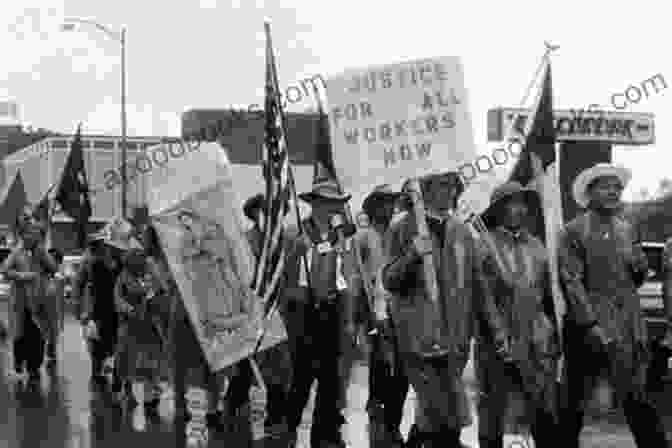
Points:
[(70, 24)]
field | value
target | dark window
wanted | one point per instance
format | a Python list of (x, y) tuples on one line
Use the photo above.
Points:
[(59, 144), (102, 144)]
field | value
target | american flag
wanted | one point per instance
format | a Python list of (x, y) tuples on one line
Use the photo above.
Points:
[(277, 174)]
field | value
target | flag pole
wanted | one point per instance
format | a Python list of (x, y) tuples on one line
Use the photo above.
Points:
[(276, 88)]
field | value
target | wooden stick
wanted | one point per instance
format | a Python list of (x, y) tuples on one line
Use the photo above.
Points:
[(429, 270)]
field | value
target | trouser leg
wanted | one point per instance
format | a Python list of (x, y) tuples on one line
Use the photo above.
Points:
[(34, 344), (302, 381), (327, 417), (645, 423), (544, 429), (572, 410), (394, 405)]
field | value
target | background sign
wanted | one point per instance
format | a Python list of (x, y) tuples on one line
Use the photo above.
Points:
[(620, 128), (393, 122)]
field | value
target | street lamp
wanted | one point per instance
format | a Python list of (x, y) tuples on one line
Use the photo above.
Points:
[(70, 24)]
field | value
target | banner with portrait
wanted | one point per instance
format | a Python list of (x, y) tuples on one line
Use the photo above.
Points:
[(195, 209)]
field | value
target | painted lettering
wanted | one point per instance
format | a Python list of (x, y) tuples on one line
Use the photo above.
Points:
[(389, 158), (405, 152), (351, 136), (423, 149)]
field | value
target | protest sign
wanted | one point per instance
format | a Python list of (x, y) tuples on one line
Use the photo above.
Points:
[(195, 209), (399, 121)]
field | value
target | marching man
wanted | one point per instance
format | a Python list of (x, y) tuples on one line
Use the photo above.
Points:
[(601, 266), (388, 385), (516, 271), (435, 346), (320, 308), (28, 267)]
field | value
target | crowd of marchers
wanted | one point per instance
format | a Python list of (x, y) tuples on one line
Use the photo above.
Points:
[(368, 290)]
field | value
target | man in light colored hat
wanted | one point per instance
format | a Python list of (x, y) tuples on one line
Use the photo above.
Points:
[(388, 386), (435, 345), (601, 266), (320, 311), (94, 291), (521, 387)]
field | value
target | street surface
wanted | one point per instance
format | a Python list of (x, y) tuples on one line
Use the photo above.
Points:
[(65, 411)]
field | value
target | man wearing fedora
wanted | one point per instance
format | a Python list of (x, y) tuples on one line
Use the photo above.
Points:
[(28, 267), (320, 311), (388, 385), (520, 389), (435, 344), (601, 266)]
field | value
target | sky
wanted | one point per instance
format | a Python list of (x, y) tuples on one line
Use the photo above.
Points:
[(210, 54)]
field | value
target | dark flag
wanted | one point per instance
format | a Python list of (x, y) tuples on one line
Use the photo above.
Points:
[(13, 202), (537, 168), (73, 191), (324, 157), (539, 137), (538, 152)]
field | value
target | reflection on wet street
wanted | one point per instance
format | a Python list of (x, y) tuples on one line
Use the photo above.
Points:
[(65, 410)]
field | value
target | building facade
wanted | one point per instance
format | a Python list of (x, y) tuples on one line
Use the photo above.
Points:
[(41, 165)]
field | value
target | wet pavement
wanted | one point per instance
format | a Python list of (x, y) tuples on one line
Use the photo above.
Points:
[(64, 410)]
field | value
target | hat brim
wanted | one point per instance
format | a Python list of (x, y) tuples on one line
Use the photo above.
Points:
[(312, 196), (122, 245), (494, 211), (586, 177), (380, 196)]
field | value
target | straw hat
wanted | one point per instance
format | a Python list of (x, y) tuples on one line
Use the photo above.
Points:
[(588, 176), (119, 234), (503, 194)]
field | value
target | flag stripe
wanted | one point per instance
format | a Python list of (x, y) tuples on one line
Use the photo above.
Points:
[(276, 172)]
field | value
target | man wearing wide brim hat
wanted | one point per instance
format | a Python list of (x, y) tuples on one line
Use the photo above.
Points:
[(435, 344), (601, 266), (94, 292), (117, 234), (388, 385), (522, 373), (586, 179), (504, 194), (321, 294)]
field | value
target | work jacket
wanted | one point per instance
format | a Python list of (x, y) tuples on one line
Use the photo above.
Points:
[(517, 274), (601, 268), (462, 292), (339, 286), (27, 294)]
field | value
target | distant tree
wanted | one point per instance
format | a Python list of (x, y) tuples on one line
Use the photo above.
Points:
[(664, 187), (642, 195)]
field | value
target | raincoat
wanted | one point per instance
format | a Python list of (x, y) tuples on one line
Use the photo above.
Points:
[(600, 270), (523, 297), (27, 294), (462, 296)]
